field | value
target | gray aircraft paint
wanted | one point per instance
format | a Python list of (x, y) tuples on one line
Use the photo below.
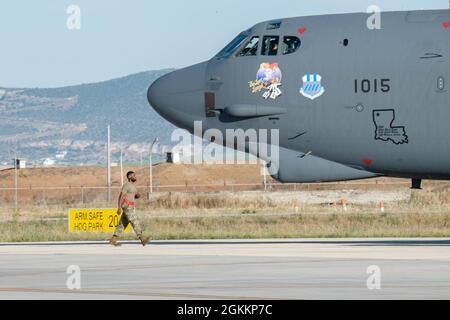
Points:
[(355, 131)]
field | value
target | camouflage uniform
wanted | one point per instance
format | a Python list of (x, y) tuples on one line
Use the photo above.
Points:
[(128, 211)]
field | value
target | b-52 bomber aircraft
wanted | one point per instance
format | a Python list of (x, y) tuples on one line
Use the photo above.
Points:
[(350, 102)]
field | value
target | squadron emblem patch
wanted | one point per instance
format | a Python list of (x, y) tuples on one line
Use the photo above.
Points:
[(268, 78), (312, 86)]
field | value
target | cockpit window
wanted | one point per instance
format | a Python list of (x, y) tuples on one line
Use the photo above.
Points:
[(291, 45), (250, 49), (270, 45), (231, 48)]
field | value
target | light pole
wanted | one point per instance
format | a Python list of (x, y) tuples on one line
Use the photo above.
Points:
[(108, 151), (121, 166), (264, 169), (15, 181), (16, 202), (151, 163)]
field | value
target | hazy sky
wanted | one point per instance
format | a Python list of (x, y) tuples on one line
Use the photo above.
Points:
[(119, 37)]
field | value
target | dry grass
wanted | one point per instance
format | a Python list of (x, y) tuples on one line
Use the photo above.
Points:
[(432, 200), (215, 216), (251, 226), (211, 201)]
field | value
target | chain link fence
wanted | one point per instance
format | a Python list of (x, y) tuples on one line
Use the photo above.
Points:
[(87, 195)]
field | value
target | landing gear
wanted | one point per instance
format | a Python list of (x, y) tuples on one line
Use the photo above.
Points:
[(416, 184)]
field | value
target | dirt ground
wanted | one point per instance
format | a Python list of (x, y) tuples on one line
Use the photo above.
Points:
[(84, 185), (163, 175)]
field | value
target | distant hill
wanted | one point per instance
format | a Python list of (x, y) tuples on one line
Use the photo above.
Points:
[(43, 122)]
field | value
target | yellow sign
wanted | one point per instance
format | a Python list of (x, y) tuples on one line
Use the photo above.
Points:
[(94, 220)]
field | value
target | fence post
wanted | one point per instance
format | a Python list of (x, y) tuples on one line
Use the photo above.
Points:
[(82, 195)]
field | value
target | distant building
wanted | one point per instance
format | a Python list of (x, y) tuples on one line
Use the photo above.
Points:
[(49, 162), (173, 157), (20, 163), (61, 156)]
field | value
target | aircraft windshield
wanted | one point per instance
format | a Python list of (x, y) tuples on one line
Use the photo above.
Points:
[(232, 47), (291, 45), (270, 45), (251, 48)]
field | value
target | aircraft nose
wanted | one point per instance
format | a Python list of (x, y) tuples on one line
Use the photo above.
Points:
[(179, 96)]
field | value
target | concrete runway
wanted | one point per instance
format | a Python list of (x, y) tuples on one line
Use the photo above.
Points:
[(265, 269)]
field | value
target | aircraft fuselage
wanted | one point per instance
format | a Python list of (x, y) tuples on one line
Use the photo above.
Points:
[(373, 100)]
